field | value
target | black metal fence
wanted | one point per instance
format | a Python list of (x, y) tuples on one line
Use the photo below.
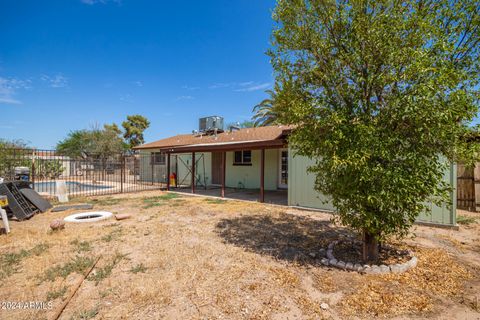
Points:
[(83, 175)]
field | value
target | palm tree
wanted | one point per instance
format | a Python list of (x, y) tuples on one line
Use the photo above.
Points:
[(264, 112)]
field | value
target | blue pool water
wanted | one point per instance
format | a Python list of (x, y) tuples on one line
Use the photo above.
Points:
[(72, 187)]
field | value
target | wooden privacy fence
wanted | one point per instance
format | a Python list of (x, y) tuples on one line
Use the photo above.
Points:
[(468, 187)]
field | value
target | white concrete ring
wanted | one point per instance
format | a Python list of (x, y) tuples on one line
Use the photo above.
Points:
[(88, 216)]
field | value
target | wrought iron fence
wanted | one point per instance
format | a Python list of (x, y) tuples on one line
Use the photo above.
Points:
[(83, 175)]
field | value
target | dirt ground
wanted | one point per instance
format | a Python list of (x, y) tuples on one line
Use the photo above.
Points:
[(182, 257)]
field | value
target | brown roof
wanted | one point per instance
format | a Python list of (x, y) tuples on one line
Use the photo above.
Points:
[(243, 136)]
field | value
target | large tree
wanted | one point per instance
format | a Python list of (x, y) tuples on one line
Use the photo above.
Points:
[(134, 127), (13, 144), (381, 93), (78, 144), (95, 143)]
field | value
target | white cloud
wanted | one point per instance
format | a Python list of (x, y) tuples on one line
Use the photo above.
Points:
[(126, 97), (184, 98), (138, 83), (254, 87), (219, 85), (245, 86), (247, 83), (9, 87), (56, 81), (187, 87), (9, 101)]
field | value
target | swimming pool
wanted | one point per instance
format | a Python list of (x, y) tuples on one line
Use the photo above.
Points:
[(72, 187)]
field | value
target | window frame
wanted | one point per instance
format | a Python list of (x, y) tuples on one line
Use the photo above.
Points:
[(243, 161), (153, 158)]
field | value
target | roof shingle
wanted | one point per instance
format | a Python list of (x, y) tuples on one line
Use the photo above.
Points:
[(243, 135)]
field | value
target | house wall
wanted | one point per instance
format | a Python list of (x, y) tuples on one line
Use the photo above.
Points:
[(445, 215), (145, 167), (183, 174), (236, 176), (301, 183), (203, 175), (301, 192), (159, 171), (249, 176)]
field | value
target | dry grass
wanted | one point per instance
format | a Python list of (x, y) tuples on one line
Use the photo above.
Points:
[(325, 283), (437, 275), (454, 242), (10, 262), (191, 258)]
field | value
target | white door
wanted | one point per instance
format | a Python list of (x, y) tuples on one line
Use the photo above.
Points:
[(283, 169)]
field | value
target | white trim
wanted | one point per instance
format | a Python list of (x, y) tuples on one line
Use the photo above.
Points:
[(279, 173)]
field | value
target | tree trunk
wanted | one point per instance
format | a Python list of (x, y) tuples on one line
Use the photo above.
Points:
[(370, 247)]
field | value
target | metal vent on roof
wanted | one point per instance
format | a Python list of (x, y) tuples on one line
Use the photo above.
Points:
[(210, 124)]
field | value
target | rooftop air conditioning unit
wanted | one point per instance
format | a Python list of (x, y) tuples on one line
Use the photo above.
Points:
[(210, 124)]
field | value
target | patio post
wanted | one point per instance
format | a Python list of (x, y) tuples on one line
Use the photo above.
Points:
[(193, 172), (224, 170), (168, 171), (262, 175)]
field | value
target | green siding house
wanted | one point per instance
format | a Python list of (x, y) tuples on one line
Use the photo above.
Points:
[(301, 193), (249, 163)]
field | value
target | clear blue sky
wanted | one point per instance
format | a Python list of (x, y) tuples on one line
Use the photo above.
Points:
[(71, 64)]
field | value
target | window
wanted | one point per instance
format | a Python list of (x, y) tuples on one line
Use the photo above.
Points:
[(242, 158), (158, 158), (283, 181)]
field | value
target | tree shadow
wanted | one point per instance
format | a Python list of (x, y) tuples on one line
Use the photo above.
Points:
[(284, 236)]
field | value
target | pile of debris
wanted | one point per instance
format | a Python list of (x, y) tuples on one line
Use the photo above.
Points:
[(23, 201)]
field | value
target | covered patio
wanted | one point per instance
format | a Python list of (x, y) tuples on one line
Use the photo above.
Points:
[(278, 197), (222, 190), (246, 164)]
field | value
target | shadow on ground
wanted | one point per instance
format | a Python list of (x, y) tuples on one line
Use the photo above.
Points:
[(286, 237)]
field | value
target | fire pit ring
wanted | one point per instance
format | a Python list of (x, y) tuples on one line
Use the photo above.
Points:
[(88, 216)]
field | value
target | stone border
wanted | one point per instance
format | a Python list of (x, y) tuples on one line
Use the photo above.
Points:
[(330, 260)]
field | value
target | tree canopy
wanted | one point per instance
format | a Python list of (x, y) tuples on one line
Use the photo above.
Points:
[(134, 127), (94, 143), (381, 93), (19, 144), (106, 141)]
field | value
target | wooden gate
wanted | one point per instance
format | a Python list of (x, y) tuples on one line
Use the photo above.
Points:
[(468, 180)]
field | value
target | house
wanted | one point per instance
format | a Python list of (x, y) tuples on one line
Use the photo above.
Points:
[(248, 163)]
